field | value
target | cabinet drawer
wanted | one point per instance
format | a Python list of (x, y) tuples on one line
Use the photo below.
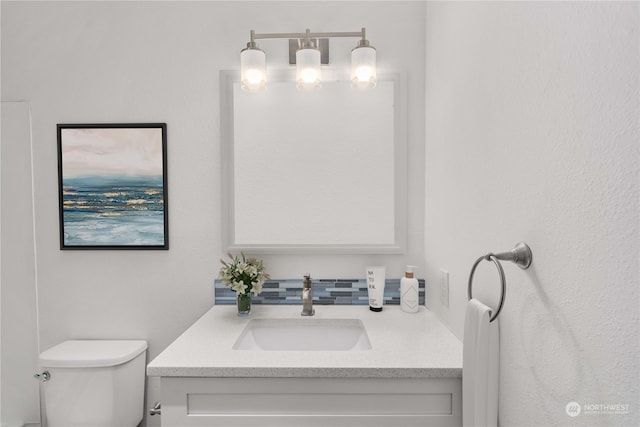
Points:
[(311, 402)]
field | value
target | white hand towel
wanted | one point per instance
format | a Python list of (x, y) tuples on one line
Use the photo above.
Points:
[(480, 367)]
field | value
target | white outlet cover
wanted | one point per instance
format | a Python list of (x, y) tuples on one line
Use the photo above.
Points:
[(444, 287)]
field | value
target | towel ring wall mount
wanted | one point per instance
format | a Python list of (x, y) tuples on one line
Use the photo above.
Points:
[(520, 255)]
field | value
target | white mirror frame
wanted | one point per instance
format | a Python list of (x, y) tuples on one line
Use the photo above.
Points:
[(227, 81)]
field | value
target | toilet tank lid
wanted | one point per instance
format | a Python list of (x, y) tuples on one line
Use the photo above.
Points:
[(91, 353)]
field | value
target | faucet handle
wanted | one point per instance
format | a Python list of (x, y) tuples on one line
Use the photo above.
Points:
[(307, 281)]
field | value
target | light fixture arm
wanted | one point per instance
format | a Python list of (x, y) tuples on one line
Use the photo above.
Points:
[(252, 43), (306, 35), (363, 41)]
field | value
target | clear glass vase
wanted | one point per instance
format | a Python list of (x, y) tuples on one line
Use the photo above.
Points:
[(244, 305)]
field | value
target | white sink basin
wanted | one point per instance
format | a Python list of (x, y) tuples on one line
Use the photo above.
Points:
[(303, 335)]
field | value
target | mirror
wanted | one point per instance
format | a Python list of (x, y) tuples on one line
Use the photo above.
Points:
[(315, 172)]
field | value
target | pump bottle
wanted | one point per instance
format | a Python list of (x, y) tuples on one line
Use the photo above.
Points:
[(409, 291)]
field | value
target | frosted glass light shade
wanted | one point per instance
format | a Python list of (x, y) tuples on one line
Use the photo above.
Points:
[(253, 68), (308, 74), (363, 67)]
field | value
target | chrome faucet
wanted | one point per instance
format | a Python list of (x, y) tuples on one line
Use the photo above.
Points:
[(307, 297)]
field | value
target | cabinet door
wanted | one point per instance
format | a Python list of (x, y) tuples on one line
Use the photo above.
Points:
[(19, 352), (335, 402)]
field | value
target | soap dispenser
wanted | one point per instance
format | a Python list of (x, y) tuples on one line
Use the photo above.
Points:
[(409, 291)]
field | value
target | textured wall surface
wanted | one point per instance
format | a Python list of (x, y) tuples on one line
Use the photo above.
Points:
[(532, 134), (87, 62)]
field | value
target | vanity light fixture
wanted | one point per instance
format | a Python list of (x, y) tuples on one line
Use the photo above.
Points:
[(253, 74), (308, 51), (363, 65), (308, 72)]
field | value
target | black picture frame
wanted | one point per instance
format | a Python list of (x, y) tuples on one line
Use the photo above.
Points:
[(112, 186)]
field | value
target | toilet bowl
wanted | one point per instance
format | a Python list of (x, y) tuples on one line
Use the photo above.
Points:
[(94, 383)]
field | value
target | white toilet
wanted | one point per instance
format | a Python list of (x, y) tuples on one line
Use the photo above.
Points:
[(94, 383)]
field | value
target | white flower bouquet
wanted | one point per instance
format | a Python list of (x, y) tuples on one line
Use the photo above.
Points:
[(243, 274)]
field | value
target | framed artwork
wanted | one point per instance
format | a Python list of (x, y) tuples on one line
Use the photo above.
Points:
[(112, 186)]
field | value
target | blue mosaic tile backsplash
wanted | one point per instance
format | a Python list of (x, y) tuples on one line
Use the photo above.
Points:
[(325, 291)]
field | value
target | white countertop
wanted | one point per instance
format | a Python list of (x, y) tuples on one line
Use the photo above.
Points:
[(403, 346)]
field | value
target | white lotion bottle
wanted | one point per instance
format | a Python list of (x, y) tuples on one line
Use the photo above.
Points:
[(375, 286), (409, 291)]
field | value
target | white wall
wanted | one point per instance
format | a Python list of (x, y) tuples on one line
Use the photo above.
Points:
[(532, 134), (82, 62)]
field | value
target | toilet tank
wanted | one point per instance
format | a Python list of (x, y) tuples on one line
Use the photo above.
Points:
[(97, 383)]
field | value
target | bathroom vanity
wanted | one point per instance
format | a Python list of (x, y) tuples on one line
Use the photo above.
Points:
[(406, 370)]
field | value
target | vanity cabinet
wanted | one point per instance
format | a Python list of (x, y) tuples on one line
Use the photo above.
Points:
[(311, 402), (410, 376)]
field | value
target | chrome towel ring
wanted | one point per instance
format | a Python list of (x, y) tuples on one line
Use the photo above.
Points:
[(520, 255)]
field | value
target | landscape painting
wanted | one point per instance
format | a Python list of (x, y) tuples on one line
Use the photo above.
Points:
[(112, 186)]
